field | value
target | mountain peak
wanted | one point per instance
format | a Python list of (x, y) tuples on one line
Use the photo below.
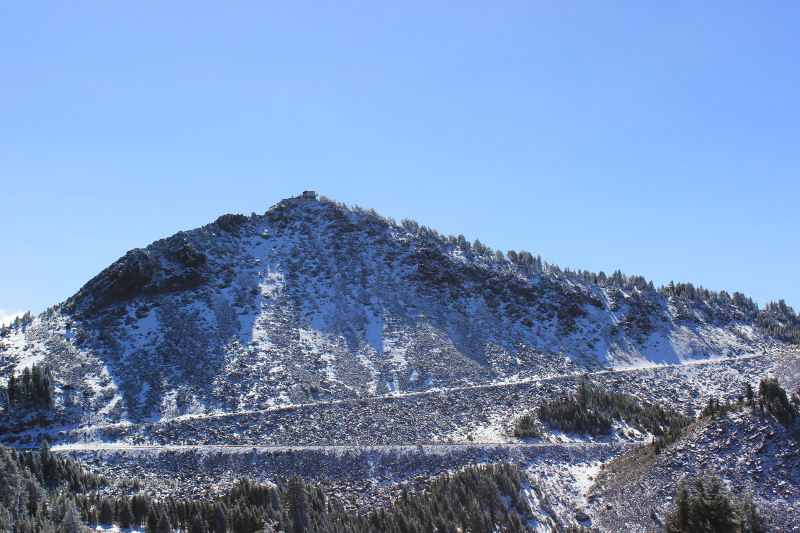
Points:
[(315, 301)]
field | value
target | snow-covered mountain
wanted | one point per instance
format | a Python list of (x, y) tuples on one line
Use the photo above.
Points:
[(314, 301)]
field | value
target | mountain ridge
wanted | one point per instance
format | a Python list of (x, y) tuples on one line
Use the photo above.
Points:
[(314, 300), (375, 358)]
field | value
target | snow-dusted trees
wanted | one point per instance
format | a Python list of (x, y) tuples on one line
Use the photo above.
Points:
[(33, 388), (410, 224), (593, 410), (528, 264), (297, 504), (770, 397), (16, 324), (780, 321), (705, 505), (478, 498), (773, 399), (39, 492)]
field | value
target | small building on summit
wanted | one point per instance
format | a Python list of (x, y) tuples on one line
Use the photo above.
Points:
[(309, 195)]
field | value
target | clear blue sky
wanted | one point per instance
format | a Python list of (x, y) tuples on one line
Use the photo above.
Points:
[(659, 138)]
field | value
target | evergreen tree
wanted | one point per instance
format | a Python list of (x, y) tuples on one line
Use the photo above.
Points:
[(106, 512), (594, 410), (703, 505), (219, 521), (773, 398), (125, 513), (297, 503), (152, 520), (140, 509), (197, 524), (163, 525), (32, 389), (70, 521)]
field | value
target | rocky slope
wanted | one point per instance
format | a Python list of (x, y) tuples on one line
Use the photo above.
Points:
[(750, 452), (371, 356), (314, 301)]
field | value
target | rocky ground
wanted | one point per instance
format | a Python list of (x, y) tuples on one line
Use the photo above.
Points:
[(367, 450), (749, 452), (480, 414), (369, 355)]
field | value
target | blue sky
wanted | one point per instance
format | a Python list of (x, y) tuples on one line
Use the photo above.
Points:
[(659, 138)]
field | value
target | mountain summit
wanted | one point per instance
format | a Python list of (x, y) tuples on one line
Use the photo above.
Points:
[(314, 301)]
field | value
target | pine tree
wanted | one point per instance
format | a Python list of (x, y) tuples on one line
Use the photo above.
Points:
[(297, 503), (704, 506), (70, 521), (106, 512), (163, 525), (152, 520), (140, 508), (773, 398), (125, 513), (197, 524), (219, 521)]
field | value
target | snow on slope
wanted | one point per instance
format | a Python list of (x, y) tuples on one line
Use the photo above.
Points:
[(313, 301)]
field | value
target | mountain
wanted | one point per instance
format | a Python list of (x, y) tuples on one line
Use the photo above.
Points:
[(314, 301), (380, 360)]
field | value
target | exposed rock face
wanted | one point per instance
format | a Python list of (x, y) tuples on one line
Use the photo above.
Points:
[(313, 301), (749, 450), (176, 265), (230, 222), (321, 330)]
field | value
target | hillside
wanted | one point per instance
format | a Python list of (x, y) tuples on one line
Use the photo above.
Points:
[(313, 301), (372, 358)]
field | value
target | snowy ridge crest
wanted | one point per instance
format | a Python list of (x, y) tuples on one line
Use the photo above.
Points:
[(314, 301)]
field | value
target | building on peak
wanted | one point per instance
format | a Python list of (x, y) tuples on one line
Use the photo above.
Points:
[(308, 195)]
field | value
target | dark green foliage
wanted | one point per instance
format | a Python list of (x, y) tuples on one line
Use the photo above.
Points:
[(219, 519), (124, 513), (478, 499), (38, 491), (703, 505), (473, 497), (152, 521), (297, 504), (716, 409), (526, 427), (770, 397), (592, 410), (671, 434), (140, 506), (106, 515), (32, 389), (197, 524), (773, 399), (163, 525), (780, 321), (52, 471)]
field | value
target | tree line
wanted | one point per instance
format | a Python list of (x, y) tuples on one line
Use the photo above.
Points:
[(19, 322), (32, 389), (592, 410), (704, 505), (776, 320), (42, 493), (38, 491), (770, 397)]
